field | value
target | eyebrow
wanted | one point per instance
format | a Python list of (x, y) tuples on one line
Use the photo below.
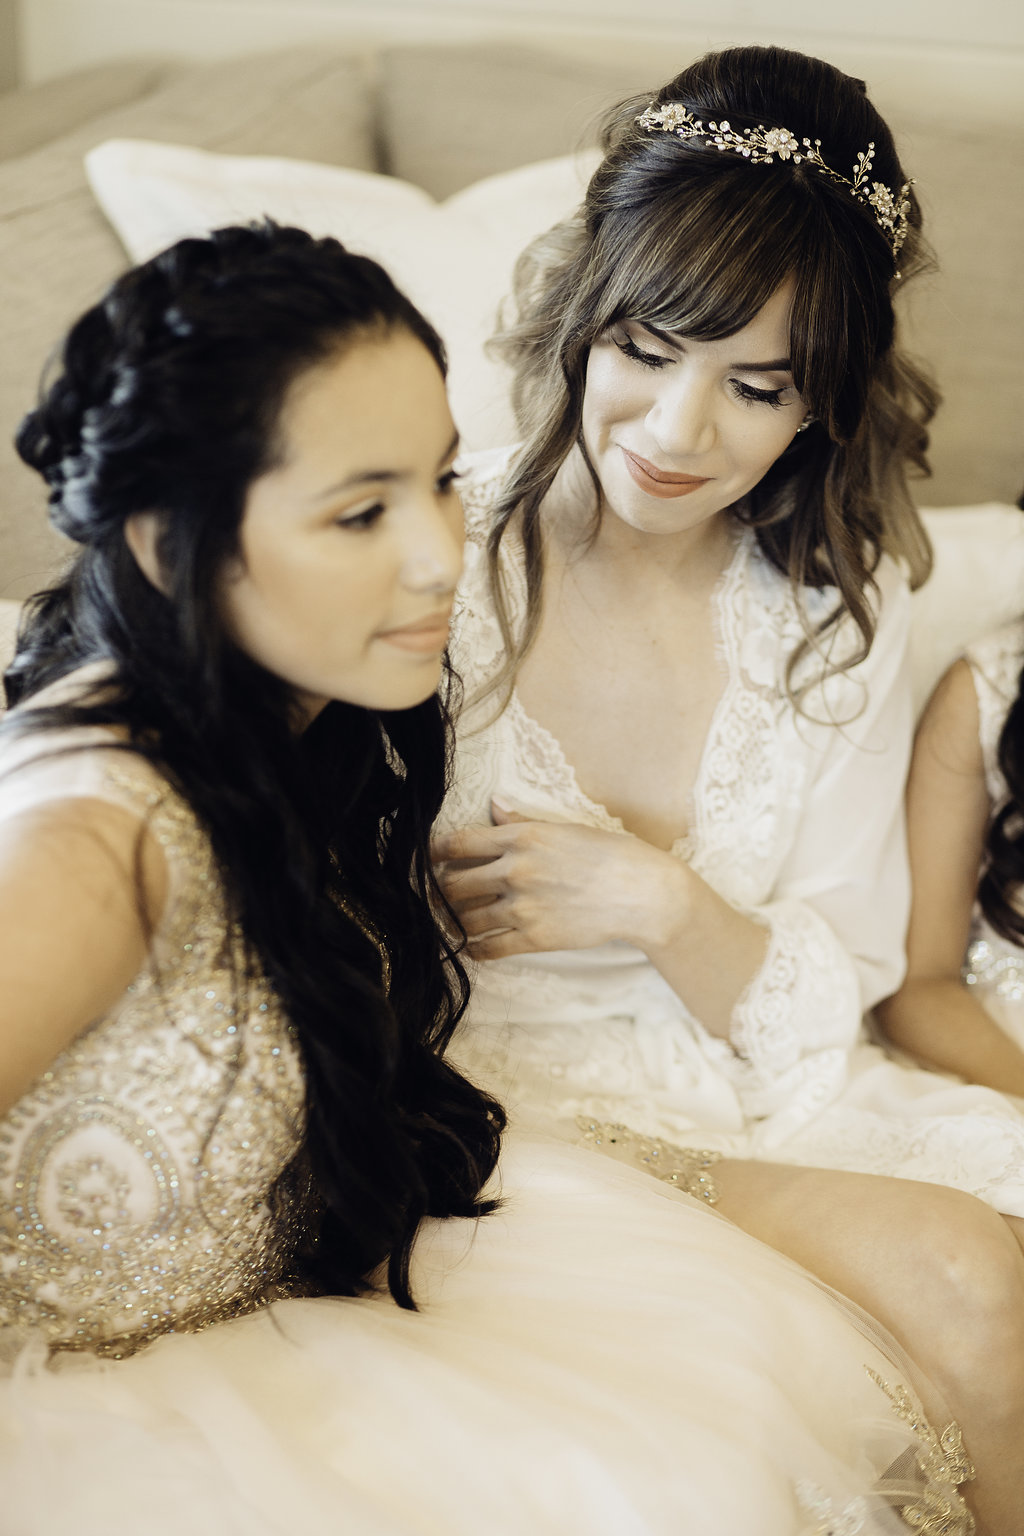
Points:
[(365, 476), (777, 365)]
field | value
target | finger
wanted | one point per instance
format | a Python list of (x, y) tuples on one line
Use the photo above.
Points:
[(468, 843), (471, 886), (484, 920), (500, 945)]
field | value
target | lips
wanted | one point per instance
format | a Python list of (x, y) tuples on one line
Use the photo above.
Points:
[(659, 482), (427, 636)]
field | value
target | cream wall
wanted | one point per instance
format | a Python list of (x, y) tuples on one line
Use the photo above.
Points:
[(56, 35), (8, 43)]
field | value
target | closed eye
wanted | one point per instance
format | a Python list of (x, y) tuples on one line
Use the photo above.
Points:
[(648, 359), (751, 396), (364, 518)]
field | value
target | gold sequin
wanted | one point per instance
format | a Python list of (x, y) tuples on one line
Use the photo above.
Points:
[(684, 1167), (140, 1177)]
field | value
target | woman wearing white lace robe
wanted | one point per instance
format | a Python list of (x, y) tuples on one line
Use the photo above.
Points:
[(676, 839)]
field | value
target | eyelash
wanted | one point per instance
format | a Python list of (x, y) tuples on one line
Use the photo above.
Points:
[(370, 515), (743, 392)]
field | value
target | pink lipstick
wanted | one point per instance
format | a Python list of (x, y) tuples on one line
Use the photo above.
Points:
[(659, 482)]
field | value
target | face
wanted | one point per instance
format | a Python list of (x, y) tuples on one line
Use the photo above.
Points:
[(351, 547), (678, 430)]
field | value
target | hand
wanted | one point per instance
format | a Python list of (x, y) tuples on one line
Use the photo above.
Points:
[(523, 886)]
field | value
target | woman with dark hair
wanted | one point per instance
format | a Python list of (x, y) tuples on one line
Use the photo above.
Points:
[(675, 835), (228, 1126)]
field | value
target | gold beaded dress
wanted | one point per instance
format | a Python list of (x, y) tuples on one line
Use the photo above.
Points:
[(604, 1354)]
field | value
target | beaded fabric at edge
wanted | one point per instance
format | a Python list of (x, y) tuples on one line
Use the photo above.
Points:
[(685, 1168), (141, 1175)]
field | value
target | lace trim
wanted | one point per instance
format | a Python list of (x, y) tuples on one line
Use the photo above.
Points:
[(803, 977), (746, 778)]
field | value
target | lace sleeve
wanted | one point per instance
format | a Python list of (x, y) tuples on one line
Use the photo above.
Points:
[(838, 913)]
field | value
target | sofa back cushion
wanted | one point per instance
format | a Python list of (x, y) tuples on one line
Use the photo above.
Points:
[(58, 252)]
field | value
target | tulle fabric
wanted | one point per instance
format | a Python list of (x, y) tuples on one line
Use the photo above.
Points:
[(603, 1355)]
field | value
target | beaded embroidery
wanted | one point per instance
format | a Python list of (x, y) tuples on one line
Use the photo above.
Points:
[(140, 1176), (683, 1167)]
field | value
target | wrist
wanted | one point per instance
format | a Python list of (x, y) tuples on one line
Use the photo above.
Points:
[(666, 916)]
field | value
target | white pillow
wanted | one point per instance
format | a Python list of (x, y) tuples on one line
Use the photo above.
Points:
[(454, 259), (976, 585)]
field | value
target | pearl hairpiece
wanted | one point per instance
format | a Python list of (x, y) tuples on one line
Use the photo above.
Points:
[(890, 209)]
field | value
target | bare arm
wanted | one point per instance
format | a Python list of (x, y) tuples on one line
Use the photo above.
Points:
[(933, 1015), (81, 887)]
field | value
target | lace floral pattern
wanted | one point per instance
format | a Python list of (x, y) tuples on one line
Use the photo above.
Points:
[(750, 784)]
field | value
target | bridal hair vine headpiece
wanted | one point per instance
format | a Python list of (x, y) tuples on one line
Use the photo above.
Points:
[(763, 145)]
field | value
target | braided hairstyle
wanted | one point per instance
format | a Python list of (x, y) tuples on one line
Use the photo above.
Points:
[(167, 400)]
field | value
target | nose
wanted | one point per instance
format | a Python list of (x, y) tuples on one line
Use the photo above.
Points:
[(432, 559), (681, 419)]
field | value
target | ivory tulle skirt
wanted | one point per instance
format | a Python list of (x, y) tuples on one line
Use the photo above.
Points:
[(602, 1356)]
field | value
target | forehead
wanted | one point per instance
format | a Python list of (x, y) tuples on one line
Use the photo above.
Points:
[(378, 390)]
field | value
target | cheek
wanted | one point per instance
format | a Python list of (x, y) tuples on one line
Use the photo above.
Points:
[(611, 394), (767, 441)]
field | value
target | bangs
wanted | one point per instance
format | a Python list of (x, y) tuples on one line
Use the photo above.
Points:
[(696, 260)]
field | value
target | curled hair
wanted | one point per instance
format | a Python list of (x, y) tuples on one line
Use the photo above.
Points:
[(168, 400), (999, 889), (679, 235)]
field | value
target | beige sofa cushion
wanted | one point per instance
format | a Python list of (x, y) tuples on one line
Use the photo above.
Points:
[(34, 114), (58, 252)]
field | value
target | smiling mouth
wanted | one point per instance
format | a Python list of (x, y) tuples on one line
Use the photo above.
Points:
[(659, 482), (429, 635)]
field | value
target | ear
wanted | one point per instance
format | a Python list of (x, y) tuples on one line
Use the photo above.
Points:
[(142, 535)]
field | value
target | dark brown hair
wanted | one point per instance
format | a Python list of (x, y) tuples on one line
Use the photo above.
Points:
[(679, 235)]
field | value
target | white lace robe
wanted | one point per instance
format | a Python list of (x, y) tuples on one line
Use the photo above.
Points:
[(796, 819)]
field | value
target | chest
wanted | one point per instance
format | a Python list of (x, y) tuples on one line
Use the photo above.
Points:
[(629, 692)]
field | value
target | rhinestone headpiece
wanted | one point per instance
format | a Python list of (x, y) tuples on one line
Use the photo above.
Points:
[(764, 145)]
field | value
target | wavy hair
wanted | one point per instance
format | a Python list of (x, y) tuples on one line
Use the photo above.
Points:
[(167, 400), (677, 234), (1001, 883)]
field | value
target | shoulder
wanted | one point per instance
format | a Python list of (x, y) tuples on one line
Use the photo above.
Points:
[(60, 766), (950, 727)]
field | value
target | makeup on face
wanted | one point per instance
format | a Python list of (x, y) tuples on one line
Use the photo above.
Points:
[(351, 546), (678, 429)]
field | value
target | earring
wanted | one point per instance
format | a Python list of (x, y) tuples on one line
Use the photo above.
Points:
[(808, 419)]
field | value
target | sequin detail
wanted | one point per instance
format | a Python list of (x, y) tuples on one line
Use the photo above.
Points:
[(998, 971), (141, 1176), (937, 1509), (684, 1167)]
